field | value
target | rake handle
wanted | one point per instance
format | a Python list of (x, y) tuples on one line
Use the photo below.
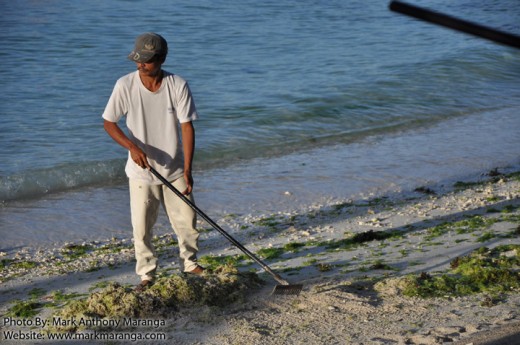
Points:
[(277, 277), (456, 23)]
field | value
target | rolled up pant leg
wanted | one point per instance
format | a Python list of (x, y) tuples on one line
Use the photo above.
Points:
[(144, 205), (183, 220)]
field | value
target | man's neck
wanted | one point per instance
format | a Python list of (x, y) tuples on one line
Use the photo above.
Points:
[(152, 82)]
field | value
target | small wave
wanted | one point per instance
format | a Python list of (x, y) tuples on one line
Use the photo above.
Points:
[(36, 183)]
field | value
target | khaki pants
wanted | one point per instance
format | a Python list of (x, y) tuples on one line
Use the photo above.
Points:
[(144, 205)]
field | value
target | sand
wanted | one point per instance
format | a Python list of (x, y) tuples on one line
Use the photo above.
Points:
[(341, 302)]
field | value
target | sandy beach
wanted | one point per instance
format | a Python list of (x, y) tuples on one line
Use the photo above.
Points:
[(351, 292)]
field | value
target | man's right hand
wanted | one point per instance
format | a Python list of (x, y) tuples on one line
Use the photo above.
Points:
[(139, 157)]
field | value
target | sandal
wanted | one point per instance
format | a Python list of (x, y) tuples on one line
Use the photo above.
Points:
[(143, 285), (199, 270)]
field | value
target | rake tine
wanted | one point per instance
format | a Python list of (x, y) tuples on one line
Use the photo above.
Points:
[(291, 289)]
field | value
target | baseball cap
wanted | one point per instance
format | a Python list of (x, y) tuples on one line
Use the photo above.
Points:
[(147, 46)]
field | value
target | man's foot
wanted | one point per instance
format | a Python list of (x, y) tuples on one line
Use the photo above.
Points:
[(199, 270), (143, 285)]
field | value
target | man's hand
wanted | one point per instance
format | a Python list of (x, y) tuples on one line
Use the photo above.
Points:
[(139, 157), (189, 183)]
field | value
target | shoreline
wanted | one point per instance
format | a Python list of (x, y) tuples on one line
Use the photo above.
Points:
[(374, 166), (309, 248)]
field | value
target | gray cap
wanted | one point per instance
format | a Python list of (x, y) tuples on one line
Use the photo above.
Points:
[(147, 46)]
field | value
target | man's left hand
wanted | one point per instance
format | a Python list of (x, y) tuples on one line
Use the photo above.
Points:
[(189, 183)]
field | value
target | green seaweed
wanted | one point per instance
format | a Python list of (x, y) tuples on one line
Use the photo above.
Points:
[(221, 287), (27, 265), (514, 176), (381, 265), (323, 267), (213, 261), (360, 238), (269, 222), (270, 253), (468, 225), (460, 185), (293, 246), (28, 308), (75, 251), (113, 247), (483, 270), (509, 209), (4, 263), (25, 309), (59, 297), (486, 236), (36, 292), (99, 285)]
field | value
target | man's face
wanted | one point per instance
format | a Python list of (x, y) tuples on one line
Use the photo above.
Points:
[(149, 69)]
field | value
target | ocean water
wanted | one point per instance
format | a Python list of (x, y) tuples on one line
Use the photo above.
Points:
[(301, 102)]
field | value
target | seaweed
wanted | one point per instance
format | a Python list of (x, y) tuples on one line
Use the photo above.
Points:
[(74, 251), (486, 270), (360, 238), (167, 295), (270, 253), (213, 261)]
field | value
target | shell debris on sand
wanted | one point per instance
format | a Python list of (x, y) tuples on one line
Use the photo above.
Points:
[(340, 264)]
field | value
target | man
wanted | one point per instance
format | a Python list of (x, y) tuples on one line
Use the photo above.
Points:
[(156, 104)]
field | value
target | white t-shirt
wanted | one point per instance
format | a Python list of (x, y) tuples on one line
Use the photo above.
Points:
[(153, 120)]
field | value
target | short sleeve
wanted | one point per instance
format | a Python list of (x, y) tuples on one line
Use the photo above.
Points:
[(185, 107), (116, 106)]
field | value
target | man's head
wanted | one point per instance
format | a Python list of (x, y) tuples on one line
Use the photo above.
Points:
[(149, 47)]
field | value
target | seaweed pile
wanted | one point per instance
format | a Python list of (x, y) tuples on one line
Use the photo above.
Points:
[(493, 271), (167, 295)]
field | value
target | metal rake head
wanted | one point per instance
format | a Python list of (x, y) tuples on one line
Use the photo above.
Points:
[(290, 289)]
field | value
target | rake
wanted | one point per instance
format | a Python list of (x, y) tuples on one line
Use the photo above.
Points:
[(285, 288)]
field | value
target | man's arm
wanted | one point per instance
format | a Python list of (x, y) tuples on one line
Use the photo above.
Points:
[(188, 145), (138, 156)]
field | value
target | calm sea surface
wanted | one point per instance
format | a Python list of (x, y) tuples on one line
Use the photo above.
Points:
[(300, 102)]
